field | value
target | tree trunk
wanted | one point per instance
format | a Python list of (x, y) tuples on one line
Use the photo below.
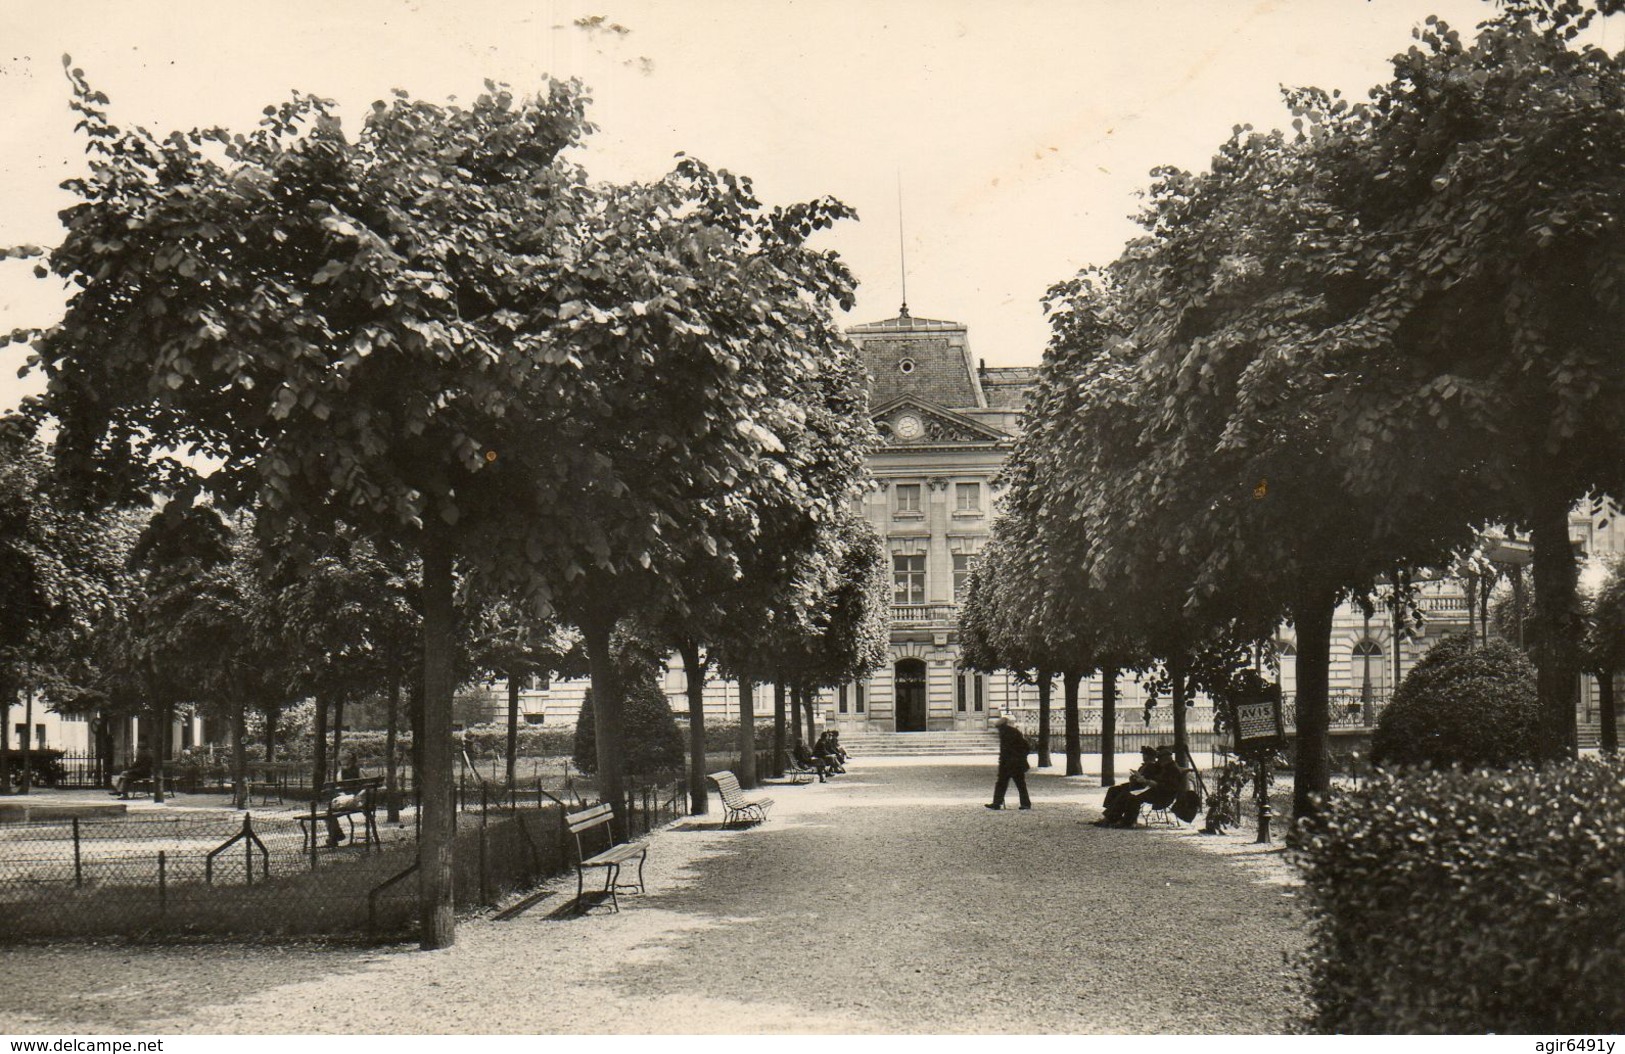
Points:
[(1046, 681), (747, 732), (596, 630), (160, 753), (513, 728), (437, 826), (318, 764), (1108, 726), (239, 754), (1311, 768), (779, 746), (1605, 711), (28, 731), (1557, 657), (272, 713), (699, 795), (7, 694), (1074, 738), (414, 713), (1179, 701), (392, 722), (807, 714), (338, 735)]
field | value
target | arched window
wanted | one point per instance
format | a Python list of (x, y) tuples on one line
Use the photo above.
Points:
[(1367, 670), (1287, 654)]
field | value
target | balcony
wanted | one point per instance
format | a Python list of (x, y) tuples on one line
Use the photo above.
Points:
[(1348, 710), (924, 614)]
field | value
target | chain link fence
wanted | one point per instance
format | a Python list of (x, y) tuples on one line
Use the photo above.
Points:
[(223, 873)]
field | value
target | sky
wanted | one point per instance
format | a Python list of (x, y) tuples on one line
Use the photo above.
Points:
[(996, 147)]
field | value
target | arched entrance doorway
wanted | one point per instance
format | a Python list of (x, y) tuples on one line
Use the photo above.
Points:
[(910, 682)]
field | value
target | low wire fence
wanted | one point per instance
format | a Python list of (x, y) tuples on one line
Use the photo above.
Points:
[(271, 873)]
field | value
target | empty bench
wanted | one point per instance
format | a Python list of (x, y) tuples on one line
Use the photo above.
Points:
[(347, 801), (612, 858), (737, 808)]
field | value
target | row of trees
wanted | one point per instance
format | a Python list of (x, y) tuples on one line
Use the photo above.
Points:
[(1328, 356), (602, 402)]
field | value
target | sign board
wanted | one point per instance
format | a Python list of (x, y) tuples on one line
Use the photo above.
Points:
[(1257, 722)]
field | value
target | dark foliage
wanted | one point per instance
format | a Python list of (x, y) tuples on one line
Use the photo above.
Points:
[(1470, 902), (653, 743), (1462, 705)]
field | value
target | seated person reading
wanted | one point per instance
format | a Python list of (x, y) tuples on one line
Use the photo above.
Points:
[(1165, 781)]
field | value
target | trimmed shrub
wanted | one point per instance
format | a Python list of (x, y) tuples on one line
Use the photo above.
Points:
[(1462, 705), (1446, 902), (652, 742)]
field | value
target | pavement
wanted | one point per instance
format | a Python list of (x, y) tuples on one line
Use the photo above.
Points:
[(885, 901)]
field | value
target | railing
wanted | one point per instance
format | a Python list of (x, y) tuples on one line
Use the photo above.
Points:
[(1444, 605), (1347, 710), (924, 613)]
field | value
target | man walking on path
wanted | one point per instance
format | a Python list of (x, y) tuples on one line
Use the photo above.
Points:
[(1013, 751)]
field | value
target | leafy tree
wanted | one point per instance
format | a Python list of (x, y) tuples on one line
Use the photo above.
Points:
[(55, 571), (653, 743), (512, 642), (1478, 250), (440, 333)]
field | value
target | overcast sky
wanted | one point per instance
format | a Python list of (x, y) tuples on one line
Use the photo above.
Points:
[(1019, 132)]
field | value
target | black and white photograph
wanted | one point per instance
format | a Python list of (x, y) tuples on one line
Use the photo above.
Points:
[(811, 518)]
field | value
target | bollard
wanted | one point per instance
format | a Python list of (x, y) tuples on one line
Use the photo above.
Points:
[(78, 865)]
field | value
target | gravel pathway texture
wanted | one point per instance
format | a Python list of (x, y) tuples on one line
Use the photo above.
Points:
[(885, 901)]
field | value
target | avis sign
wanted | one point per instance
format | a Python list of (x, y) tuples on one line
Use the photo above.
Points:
[(1257, 721)]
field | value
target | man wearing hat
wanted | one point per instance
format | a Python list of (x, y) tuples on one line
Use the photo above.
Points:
[(1013, 751)]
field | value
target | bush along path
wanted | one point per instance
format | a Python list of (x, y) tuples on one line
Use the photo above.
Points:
[(887, 900)]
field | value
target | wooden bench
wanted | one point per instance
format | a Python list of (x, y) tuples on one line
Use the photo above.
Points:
[(738, 809), (144, 786), (362, 801), (611, 858)]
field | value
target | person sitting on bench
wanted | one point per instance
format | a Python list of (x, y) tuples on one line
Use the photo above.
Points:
[(1137, 781), (140, 769), (829, 750), (343, 801), (808, 760), (1165, 782)]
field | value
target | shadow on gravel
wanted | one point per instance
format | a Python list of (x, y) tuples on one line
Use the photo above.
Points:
[(693, 826)]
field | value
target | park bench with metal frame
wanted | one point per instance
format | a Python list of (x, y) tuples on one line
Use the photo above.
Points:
[(736, 807), (363, 804), (611, 858)]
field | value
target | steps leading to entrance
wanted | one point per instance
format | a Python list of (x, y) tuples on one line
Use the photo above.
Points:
[(891, 744)]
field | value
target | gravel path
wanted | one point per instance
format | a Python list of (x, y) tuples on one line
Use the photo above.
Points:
[(887, 900)]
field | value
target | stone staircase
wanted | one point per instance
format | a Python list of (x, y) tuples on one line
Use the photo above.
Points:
[(921, 744)]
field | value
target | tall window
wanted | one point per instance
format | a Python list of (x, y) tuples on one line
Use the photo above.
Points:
[(840, 699), (908, 498), (970, 695), (967, 497), (858, 692), (963, 693), (1368, 669), (963, 563), (908, 573)]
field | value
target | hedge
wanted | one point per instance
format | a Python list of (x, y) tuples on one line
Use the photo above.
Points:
[(1463, 704), (1446, 902)]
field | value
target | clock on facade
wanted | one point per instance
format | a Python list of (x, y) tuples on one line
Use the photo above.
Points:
[(909, 427)]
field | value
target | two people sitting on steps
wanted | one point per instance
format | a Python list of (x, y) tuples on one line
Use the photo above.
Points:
[(1158, 782)]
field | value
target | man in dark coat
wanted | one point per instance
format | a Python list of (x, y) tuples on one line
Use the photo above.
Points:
[(1013, 751)]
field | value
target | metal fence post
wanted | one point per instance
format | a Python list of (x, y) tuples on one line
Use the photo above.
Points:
[(163, 892), (248, 847), (313, 834)]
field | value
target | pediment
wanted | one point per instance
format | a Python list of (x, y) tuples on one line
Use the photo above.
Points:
[(906, 421)]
